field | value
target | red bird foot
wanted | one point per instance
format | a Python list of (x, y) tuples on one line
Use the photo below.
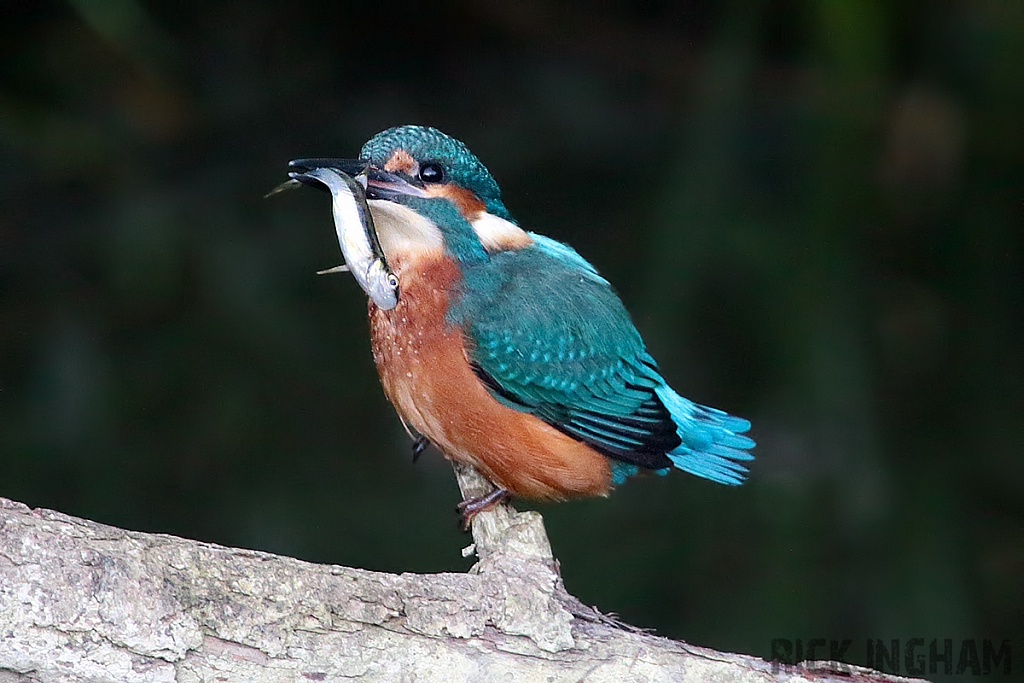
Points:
[(471, 507)]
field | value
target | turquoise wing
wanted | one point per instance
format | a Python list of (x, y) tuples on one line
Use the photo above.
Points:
[(549, 336), (563, 251)]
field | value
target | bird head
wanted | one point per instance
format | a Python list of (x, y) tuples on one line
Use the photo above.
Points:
[(436, 177), (443, 165)]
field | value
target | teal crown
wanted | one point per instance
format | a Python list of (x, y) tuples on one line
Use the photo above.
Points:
[(427, 144)]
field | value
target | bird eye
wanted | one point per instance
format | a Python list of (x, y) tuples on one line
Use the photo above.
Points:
[(431, 173), (393, 281)]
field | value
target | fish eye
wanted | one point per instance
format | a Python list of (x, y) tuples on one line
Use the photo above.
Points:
[(432, 172), (392, 281)]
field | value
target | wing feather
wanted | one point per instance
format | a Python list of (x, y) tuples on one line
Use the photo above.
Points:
[(547, 338)]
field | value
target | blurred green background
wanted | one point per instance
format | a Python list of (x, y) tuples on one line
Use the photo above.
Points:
[(813, 210)]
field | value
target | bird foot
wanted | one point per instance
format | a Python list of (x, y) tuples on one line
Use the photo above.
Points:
[(419, 445), (471, 507)]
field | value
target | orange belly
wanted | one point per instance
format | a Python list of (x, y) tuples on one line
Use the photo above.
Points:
[(426, 374)]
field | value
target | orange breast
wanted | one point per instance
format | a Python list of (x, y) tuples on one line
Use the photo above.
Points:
[(426, 374)]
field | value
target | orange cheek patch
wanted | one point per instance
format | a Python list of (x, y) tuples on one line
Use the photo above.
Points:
[(469, 204), (401, 162)]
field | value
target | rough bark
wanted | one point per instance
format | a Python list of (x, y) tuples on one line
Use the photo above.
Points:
[(81, 601)]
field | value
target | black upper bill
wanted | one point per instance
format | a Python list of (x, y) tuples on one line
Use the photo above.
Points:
[(301, 167), (351, 167), (380, 184)]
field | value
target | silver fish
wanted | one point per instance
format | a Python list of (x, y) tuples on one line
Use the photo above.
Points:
[(357, 235), (289, 184)]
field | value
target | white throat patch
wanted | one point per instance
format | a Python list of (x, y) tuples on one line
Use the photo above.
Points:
[(402, 232)]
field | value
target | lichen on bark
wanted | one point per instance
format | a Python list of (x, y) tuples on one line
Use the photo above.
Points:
[(81, 601)]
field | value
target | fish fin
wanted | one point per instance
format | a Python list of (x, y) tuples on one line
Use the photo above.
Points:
[(336, 269)]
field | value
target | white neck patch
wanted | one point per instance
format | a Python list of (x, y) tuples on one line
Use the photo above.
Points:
[(498, 234)]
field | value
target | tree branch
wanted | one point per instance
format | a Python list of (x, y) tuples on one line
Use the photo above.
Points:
[(81, 601)]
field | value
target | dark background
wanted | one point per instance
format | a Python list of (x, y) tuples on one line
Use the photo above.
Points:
[(813, 210)]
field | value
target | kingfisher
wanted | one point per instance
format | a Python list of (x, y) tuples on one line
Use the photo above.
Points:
[(506, 349)]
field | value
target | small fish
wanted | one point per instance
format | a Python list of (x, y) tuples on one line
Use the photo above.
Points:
[(357, 236), (289, 184)]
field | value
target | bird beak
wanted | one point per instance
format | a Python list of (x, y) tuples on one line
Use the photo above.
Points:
[(379, 184)]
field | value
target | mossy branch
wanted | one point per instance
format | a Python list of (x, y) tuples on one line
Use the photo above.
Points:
[(81, 601)]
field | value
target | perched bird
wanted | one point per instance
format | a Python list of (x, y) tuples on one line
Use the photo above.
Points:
[(506, 349)]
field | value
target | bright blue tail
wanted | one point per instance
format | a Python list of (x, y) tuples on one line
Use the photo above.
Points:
[(713, 442)]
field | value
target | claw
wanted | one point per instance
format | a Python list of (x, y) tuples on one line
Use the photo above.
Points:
[(471, 507), (419, 445)]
